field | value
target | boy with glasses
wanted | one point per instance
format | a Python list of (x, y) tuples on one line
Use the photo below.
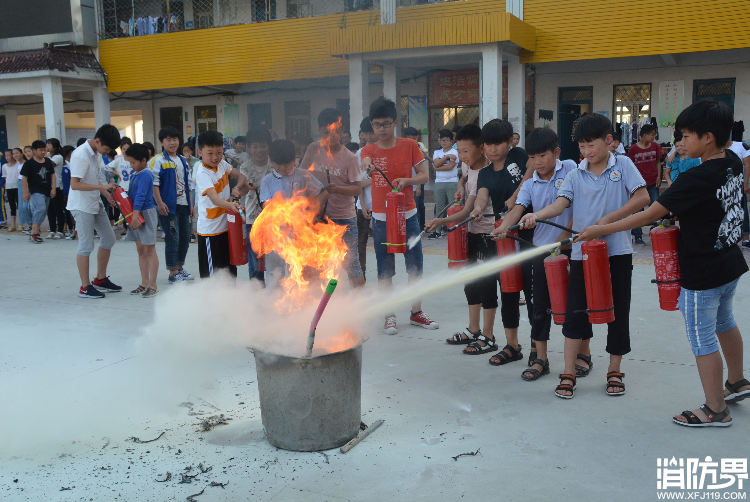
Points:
[(395, 157)]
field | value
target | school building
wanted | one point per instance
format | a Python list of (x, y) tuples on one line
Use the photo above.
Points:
[(232, 65)]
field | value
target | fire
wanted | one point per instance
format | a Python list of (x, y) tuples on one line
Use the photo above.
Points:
[(338, 343), (313, 250)]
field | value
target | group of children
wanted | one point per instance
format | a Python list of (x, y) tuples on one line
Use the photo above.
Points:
[(604, 196)]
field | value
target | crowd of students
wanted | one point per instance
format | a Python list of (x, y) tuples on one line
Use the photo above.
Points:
[(604, 195)]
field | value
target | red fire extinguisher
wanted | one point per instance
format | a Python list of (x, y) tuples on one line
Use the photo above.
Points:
[(458, 240), (237, 238), (511, 279), (126, 207), (395, 221), (601, 307), (556, 267), (668, 276)]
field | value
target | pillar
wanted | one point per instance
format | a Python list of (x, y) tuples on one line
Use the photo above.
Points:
[(11, 126), (359, 92), (101, 107), (147, 115), (517, 96), (54, 113), (392, 90), (491, 85)]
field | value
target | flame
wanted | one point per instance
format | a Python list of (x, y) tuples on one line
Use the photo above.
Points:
[(313, 250), (338, 343)]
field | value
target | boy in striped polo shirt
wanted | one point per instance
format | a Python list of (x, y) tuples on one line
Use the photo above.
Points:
[(212, 188)]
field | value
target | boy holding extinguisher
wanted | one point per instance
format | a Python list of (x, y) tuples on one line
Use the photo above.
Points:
[(706, 199), (396, 157), (212, 189), (604, 188), (540, 191), (141, 193)]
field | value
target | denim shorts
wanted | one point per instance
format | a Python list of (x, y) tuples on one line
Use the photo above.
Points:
[(351, 261), (39, 204), (707, 313), (387, 261)]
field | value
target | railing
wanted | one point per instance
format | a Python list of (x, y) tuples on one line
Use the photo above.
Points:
[(130, 18)]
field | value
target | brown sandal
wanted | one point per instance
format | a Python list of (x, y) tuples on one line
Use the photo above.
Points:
[(614, 383), (566, 386)]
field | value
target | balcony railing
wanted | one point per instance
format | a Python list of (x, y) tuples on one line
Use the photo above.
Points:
[(131, 18)]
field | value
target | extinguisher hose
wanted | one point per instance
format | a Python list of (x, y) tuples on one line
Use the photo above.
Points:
[(548, 222), (467, 220), (384, 176)]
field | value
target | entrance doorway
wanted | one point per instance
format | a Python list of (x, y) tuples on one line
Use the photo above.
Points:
[(205, 119), (297, 119), (171, 116), (259, 116), (573, 102)]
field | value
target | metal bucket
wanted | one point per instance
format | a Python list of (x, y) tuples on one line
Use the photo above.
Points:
[(310, 403)]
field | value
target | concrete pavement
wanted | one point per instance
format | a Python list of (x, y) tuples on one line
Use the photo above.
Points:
[(74, 388)]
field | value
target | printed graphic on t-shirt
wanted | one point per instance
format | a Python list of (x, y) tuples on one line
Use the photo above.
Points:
[(730, 196), (515, 172), (43, 173), (644, 157)]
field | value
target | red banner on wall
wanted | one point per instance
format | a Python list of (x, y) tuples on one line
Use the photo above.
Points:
[(454, 88)]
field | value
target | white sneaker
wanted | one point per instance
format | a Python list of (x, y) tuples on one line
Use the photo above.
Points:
[(58, 235), (390, 327), (51, 235)]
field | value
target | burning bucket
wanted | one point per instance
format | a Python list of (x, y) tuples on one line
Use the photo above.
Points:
[(310, 403)]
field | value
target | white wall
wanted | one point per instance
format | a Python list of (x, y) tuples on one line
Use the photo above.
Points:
[(603, 75)]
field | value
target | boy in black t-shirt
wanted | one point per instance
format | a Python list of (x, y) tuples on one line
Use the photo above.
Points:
[(499, 183), (706, 199), (38, 186)]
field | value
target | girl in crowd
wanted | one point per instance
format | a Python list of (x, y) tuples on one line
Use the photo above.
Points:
[(24, 209), (11, 172), (56, 206)]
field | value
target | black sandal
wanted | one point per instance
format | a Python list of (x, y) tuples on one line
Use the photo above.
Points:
[(715, 418), (582, 371), (532, 354), (490, 346), (515, 355), (457, 339), (736, 394), (566, 386), (535, 373), (614, 383)]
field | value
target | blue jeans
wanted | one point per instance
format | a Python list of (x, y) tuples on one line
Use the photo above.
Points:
[(39, 203), (252, 258), (176, 227), (351, 260), (387, 261), (653, 194), (24, 210), (707, 313)]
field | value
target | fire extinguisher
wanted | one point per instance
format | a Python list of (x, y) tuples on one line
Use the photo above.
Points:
[(458, 239), (237, 238), (668, 277), (395, 221), (511, 278), (601, 307), (556, 267), (126, 207)]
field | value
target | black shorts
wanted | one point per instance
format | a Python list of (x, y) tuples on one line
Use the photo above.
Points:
[(484, 289), (577, 325), (213, 254)]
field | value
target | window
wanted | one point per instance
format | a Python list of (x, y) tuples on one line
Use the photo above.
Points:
[(205, 119), (632, 102), (721, 90), (297, 8), (297, 119)]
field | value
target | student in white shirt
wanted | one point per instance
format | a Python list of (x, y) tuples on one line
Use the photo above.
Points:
[(445, 161)]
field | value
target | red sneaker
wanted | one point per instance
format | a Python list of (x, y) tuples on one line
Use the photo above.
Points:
[(390, 327), (420, 319)]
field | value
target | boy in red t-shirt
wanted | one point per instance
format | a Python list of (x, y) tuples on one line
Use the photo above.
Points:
[(396, 157), (646, 155)]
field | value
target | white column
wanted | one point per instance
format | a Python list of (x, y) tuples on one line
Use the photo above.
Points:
[(101, 107), (147, 114), (359, 92), (491, 84), (387, 11), (11, 126), (392, 90), (54, 113), (517, 96)]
